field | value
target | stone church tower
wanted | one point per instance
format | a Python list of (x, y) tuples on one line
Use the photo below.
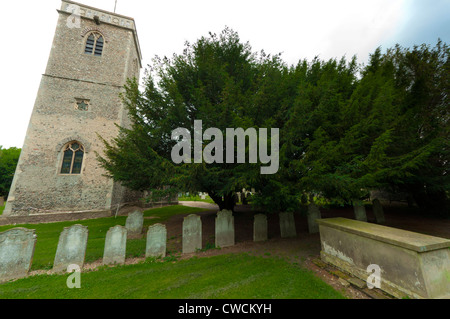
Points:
[(94, 52)]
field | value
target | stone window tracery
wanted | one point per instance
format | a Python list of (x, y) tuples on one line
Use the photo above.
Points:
[(72, 159)]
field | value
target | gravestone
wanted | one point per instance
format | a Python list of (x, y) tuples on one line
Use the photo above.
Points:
[(156, 241), (71, 248), (134, 223), (287, 225), (313, 215), (224, 228), (192, 234), (360, 211), (16, 253), (115, 245), (244, 197), (378, 211), (260, 227)]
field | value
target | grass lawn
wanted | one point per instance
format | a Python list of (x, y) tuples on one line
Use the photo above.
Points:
[(2, 208), (48, 235), (224, 276), (196, 199)]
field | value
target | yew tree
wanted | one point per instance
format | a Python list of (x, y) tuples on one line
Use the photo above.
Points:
[(218, 80)]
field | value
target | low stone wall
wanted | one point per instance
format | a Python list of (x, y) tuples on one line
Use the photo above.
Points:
[(50, 218), (157, 204), (71, 216), (411, 264)]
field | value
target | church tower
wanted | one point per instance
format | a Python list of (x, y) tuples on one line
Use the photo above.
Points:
[(93, 54)]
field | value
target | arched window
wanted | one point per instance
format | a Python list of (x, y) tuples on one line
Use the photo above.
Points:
[(94, 44), (73, 158)]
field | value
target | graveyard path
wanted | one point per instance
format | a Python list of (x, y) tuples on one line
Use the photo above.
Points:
[(303, 249), (199, 204)]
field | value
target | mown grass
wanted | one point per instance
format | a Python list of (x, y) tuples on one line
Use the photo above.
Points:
[(196, 199), (48, 235), (2, 208), (225, 276)]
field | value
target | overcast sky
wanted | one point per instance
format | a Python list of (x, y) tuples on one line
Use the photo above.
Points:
[(298, 29)]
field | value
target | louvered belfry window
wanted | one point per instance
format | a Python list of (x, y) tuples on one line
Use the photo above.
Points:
[(99, 46), (94, 44)]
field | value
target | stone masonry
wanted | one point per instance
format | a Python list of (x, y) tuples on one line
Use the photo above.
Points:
[(225, 229), (115, 245), (16, 252), (71, 248), (71, 75)]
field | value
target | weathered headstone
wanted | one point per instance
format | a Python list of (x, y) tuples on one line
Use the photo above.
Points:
[(260, 228), (115, 245), (378, 211), (192, 234), (244, 200), (224, 228), (360, 211), (313, 215), (71, 248), (287, 225), (135, 223), (156, 241), (235, 198), (16, 253)]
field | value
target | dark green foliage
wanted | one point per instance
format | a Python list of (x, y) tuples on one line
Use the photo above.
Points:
[(345, 129), (8, 162), (218, 80), (389, 129)]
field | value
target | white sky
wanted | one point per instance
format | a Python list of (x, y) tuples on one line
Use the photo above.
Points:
[(298, 29)]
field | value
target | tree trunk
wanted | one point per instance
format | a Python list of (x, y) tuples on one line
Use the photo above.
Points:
[(226, 203)]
